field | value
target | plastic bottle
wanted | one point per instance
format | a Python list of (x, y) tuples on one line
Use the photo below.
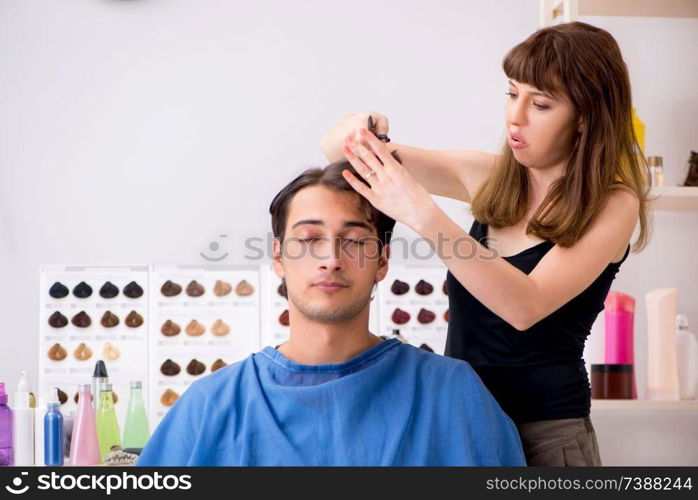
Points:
[(25, 385), (23, 425), (6, 457), (619, 310), (99, 377), (662, 373), (53, 430), (136, 431), (107, 425), (687, 358), (84, 444)]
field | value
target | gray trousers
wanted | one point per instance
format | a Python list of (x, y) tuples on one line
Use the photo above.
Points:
[(566, 442)]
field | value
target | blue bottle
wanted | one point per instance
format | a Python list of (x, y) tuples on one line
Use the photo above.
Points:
[(53, 431)]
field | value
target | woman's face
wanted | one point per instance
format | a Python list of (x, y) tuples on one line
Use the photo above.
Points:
[(541, 128)]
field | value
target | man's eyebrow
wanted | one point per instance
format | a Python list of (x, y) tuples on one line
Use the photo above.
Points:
[(536, 92), (318, 222)]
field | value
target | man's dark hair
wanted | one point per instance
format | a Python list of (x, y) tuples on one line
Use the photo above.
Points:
[(331, 177)]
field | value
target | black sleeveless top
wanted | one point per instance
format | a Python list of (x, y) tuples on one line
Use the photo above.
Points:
[(539, 373)]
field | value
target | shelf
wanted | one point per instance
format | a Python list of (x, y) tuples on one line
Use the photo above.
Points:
[(642, 404), (675, 198)]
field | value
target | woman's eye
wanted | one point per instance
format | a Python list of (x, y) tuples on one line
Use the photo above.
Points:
[(540, 106), (510, 94)]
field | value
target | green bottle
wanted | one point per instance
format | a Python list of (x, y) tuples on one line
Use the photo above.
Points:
[(136, 431), (107, 425)]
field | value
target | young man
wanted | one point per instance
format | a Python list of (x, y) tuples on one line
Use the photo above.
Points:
[(334, 393)]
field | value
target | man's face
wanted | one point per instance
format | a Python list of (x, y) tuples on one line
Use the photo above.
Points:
[(330, 255)]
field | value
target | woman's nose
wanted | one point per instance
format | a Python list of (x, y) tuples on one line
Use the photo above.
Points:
[(517, 112)]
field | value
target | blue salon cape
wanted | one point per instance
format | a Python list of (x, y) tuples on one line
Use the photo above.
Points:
[(393, 404)]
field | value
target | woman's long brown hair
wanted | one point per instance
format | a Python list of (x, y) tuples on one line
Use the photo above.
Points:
[(584, 63)]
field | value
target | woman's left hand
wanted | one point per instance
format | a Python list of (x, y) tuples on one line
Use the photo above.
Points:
[(392, 189)]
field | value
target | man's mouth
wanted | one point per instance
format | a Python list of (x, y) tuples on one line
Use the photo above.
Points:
[(330, 286)]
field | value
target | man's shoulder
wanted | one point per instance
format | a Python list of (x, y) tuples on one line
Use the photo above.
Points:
[(431, 361), (228, 375)]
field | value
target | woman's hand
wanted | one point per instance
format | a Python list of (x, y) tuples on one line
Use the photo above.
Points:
[(331, 145), (392, 189)]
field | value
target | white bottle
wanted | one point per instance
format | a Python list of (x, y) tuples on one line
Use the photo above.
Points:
[(39, 432), (23, 423), (687, 358), (662, 374)]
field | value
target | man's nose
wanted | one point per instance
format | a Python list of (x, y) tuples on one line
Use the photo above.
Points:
[(333, 258)]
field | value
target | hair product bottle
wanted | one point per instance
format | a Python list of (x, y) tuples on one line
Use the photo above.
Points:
[(23, 425), (662, 373), (99, 377), (687, 353), (84, 444), (6, 458), (107, 425), (136, 431), (53, 430), (619, 311)]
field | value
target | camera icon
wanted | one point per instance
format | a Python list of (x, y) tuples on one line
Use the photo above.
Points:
[(17, 483)]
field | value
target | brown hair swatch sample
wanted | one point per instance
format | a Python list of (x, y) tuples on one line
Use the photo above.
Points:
[(81, 320), (133, 320), (244, 289), (221, 288), (170, 368), (170, 289), (195, 289), (220, 328), (169, 397), (57, 352), (195, 367), (195, 329), (218, 364), (82, 352), (109, 320), (169, 328), (57, 320)]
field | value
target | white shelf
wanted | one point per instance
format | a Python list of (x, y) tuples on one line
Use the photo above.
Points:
[(675, 198), (642, 404)]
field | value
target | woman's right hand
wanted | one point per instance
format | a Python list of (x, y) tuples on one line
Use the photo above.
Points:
[(331, 145)]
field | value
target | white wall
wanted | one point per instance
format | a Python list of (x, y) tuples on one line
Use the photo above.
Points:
[(138, 131)]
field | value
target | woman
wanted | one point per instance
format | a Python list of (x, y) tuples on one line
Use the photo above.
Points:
[(554, 215)]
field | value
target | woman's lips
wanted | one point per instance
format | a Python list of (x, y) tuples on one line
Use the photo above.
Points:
[(516, 142)]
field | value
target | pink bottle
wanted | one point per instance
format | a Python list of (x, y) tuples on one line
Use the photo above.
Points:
[(619, 312), (84, 444)]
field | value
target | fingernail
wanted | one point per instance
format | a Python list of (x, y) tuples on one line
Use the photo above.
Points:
[(363, 131), (349, 139)]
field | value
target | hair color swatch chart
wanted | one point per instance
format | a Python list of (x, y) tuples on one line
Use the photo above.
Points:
[(203, 319), (414, 300), (87, 314)]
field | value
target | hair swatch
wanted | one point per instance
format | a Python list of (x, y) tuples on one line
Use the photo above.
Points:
[(426, 316), (133, 290), (109, 320), (244, 289), (57, 320), (170, 289), (170, 368), (133, 320), (82, 352), (399, 287), (81, 320), (400, 317), (108, 290), (57, 352), (169, 397), (423, 288), (195, 367), (218, 364), (169, 328), (284, 318), (82, 290), (195, 329), (195, 289), (222, 288), (58, 290), (110, 353)]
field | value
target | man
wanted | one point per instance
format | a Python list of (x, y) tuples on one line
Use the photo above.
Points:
[(334, 393)]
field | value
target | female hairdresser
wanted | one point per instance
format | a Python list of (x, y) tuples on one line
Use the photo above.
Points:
[(554, 215)]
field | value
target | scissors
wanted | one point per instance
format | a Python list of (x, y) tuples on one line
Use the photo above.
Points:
[(372, 129)]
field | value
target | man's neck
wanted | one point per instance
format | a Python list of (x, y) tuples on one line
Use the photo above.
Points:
[(313, 343)]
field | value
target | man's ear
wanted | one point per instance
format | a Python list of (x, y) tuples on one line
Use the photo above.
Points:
[(276, 258), (382, 270)]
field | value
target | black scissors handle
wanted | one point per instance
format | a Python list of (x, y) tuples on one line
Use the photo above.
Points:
[(372, 129)]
